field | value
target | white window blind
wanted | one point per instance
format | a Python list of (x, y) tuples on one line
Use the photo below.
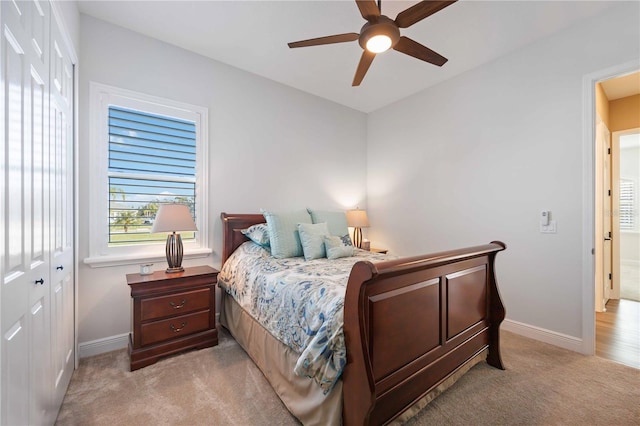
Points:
[(152, 160), (628, 194)]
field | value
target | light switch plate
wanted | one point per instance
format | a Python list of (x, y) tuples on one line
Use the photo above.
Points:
[(549, 229)]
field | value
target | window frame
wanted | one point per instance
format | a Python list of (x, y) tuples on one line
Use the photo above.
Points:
[(100, 252)]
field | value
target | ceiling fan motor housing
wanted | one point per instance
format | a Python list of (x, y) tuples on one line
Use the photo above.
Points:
[(380, 25)]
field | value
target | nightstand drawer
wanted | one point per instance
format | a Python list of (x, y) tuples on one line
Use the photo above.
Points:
[(174, 304), (175, 327)]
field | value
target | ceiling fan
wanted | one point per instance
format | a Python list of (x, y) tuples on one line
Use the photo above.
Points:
[(381, 33)]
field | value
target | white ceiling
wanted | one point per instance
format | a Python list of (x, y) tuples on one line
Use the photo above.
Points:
[(253, 36)]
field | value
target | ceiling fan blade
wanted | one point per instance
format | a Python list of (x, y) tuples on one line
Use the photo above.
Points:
[(415, 49), (363, 66), (338, 38), (368, 9), (420, 11)]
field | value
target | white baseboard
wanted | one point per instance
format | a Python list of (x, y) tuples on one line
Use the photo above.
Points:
[(547, 336), (100, 346)]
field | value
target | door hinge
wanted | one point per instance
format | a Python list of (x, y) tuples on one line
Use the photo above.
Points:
[(609, 193), (610, 276), (608, 150)]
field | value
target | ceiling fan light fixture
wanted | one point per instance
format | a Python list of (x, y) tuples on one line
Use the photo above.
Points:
[(379, 34), (379, 43)]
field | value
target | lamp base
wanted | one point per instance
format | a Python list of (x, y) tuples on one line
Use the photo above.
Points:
[(357, 237), (174, 253)]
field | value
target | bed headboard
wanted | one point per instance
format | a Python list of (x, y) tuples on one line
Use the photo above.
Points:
[(232, 224)]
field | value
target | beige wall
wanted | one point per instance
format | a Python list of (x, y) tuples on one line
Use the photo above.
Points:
[(602, 104), (624, 113)]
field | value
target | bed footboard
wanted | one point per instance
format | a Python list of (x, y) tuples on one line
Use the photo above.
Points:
[(411, 323)]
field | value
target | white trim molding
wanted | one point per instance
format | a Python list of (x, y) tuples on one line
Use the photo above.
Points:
[(588, 204), (101, 254), (100, 346), (107, 261), (543, 335)]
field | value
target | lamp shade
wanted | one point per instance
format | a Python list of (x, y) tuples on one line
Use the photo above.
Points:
[(173, 218), (357, 218)]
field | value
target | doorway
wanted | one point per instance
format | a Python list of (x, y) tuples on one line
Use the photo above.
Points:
[(616, 228), (626, 173)]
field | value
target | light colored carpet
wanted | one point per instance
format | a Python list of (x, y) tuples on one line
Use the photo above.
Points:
[(543, 385)]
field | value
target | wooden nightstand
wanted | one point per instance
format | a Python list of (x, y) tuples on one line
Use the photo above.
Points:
[(171, 313), (378, 250)]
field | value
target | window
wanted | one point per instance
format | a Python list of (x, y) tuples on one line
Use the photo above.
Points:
[(152, 160), (628, 195), (145, 151)]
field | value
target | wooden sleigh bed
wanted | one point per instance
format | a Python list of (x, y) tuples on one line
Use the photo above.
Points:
[(411, 326)]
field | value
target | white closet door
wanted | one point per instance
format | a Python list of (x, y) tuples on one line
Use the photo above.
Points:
[(62, 290), (36, 212), (39, 297), (26, 365)]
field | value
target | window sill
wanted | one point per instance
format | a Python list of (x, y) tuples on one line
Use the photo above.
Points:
[(133, 259)]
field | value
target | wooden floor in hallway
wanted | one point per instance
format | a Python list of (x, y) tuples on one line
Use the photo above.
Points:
[(618, 332)]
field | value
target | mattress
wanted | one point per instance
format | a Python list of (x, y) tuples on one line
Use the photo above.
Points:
[(299, 302)]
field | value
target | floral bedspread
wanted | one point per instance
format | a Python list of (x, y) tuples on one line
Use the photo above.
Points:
[(299, 302)]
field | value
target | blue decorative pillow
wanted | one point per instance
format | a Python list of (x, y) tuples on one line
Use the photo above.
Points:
[(258, 233), (283, 232), (335, 220), (336, 248), (312, 239)]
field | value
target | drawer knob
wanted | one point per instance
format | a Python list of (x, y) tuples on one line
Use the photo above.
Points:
[(181, 305), (175, 330)]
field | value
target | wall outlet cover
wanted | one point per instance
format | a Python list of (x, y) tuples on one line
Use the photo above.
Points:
[(551, 228)]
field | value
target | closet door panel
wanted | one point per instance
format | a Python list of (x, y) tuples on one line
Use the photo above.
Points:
[(26, 387), (15, 401), (26, 279), (40, 17), (40, 366), (14, 68), (16, 278), (39, 294), (61, 119), (41, 380)]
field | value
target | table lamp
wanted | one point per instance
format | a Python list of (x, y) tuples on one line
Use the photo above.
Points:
[(173, 218), (357, 219)]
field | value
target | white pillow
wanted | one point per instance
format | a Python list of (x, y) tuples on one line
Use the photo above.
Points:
[(336, 248)]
